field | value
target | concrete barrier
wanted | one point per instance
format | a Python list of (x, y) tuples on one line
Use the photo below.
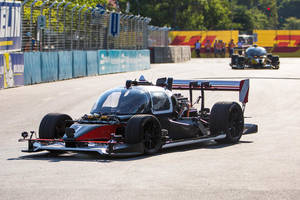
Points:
[(49, 67), (115, 59), (132, 60), (92, 63), (145, 59), (65, 65), (52, 66), (170, 54), (32, 68), (79, 64), (124, 61), (103, 61)]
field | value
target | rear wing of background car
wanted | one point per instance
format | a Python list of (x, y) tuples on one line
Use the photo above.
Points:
[(213, 85)]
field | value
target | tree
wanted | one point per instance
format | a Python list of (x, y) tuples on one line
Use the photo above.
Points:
[(188, 14), (292, 23), (255, 14), (289, 8)]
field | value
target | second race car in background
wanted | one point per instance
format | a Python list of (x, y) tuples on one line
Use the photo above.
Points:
[(254, 57)]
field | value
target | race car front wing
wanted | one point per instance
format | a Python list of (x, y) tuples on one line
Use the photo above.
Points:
[(112, 147)]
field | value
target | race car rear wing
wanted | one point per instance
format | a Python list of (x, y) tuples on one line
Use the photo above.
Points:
[(241, 86)]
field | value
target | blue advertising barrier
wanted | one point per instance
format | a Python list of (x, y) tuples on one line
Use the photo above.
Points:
[(79, 63), (145, 59), (114, 56), (125, 61), (49, 66), (92, 63), (65, 65), (139, 60), (32, 68), (104, 62), (11, 70), (132, 60)]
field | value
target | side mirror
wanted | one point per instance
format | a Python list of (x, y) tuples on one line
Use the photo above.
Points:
[(24, 134)]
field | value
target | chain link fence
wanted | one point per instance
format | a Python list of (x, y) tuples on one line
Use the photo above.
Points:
[(53, 26), (158, 36)]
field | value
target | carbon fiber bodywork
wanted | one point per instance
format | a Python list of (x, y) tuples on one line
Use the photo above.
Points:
[(179, 123)]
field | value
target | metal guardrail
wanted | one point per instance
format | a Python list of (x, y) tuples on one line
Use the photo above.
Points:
[(53, 26)]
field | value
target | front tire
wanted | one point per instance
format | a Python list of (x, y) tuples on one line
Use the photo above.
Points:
[(234, 59), (228, 118), (145, 129), (275, 62), (53, 126), (241, 62)]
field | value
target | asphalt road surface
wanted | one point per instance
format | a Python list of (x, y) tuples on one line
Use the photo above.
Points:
[(265, 165)]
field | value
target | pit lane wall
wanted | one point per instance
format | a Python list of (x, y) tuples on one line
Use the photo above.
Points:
[(27, 68), (285, 43), (170, 54)]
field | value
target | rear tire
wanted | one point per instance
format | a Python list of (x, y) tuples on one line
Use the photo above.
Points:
[(53, 126), (145, 129), (228, 118)]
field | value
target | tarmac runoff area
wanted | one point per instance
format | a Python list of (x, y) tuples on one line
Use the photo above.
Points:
[(265, 165)]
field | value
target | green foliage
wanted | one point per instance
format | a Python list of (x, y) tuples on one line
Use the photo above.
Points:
[(36, 7), (292, 23), (89, 3), (289, 8), (244, 15)]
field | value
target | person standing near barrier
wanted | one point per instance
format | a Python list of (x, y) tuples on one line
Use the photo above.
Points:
[(231, 46), (240, 47), (215, 48), (223, 49), (198, 48), (207, 48), (219, 48)]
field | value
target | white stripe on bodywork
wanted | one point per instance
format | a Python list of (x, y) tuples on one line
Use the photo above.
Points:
[(244, 90)]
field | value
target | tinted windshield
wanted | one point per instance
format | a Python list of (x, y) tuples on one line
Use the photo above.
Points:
[(256, 51), (122, 101)]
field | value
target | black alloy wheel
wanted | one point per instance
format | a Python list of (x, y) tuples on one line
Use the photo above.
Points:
[(152, 137)]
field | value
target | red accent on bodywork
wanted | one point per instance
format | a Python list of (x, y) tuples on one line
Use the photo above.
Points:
[(246, 98), (47, 140), (102, 132), (100, 142)]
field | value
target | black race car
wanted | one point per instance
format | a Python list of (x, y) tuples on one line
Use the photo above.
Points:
[(254, 57), (142, 118)]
